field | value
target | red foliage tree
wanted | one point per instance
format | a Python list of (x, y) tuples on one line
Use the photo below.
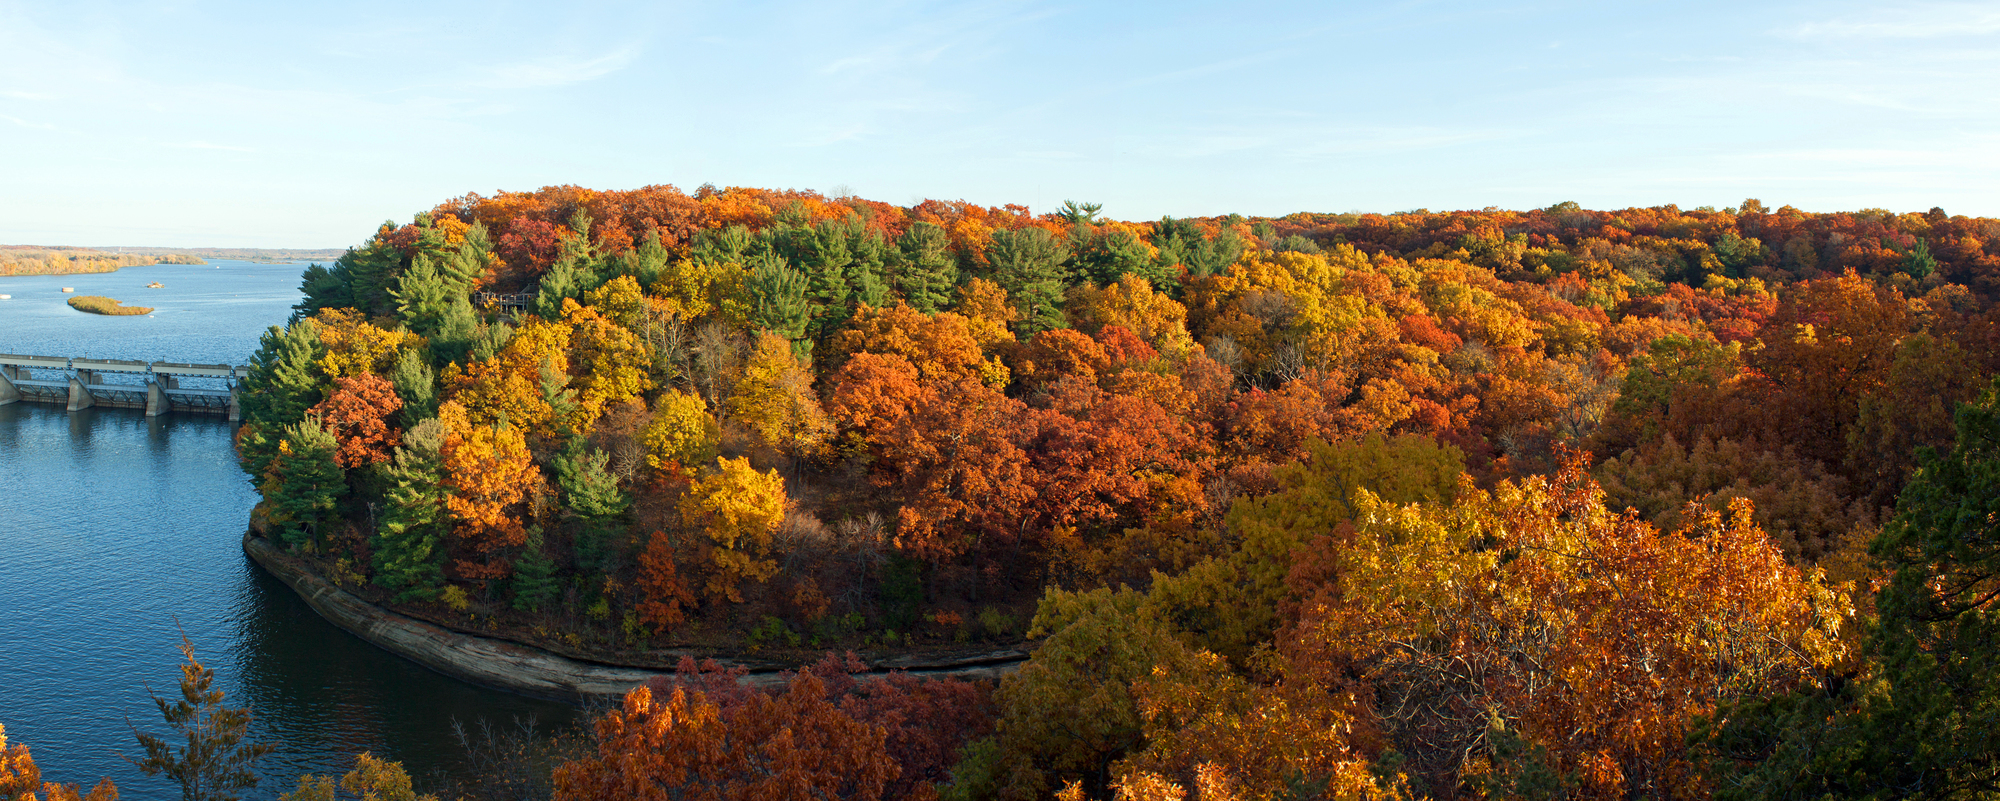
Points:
[(357, 411)]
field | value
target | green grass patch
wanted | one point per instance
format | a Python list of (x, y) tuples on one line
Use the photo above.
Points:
[(99, 304)]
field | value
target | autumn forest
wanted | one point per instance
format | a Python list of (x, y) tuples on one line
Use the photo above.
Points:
[(1640, 503)]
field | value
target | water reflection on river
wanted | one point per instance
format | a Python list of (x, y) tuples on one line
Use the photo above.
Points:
[(113, 526)]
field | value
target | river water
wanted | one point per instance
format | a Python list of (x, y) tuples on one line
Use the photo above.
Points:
[(116, 528)]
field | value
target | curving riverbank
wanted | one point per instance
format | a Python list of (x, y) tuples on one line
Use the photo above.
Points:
[(530, 671)]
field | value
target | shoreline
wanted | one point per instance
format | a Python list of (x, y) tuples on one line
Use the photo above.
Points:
[(526, 670)]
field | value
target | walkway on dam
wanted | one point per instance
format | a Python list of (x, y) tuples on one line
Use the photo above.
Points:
[(153, 386)]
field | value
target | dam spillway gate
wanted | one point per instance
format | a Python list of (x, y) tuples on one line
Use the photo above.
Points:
[(157, 387)]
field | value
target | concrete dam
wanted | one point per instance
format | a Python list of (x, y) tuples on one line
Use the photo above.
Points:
[(156, 387)]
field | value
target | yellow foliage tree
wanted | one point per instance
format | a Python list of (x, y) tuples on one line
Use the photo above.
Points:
[(609, 361), (1159, 320), (619, 299), (775, 399), (371, 780), (20, 779), (1529, 631), (508, 387), (738, 509), (988, 315), (682, 435), (355, 346)]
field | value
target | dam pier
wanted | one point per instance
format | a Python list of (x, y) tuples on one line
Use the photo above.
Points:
[(157, 387)]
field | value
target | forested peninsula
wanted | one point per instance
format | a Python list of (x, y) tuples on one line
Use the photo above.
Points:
[(1647, 502)]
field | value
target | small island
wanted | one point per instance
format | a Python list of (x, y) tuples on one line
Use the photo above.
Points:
[(99, 304)]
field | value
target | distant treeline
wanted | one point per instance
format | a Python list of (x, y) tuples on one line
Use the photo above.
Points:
[(242, 254), (60, 260)]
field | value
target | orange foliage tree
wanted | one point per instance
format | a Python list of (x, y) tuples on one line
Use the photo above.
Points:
[(795, 746), (489, 472), (1530, 631), (358, 411)]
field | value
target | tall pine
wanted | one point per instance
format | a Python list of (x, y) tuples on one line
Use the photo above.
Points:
[(1028, 263), (414, 517), (926, 271)]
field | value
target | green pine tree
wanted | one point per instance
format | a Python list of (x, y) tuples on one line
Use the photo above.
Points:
[(778, 297), (1028, 263), (414, 518), (535, 582), (1103, 257), (416, 384), (423, 300), (1919, 262), (304, 485), (592, 498), (577, 269), (926, 270), (731, 245), (284, 382)]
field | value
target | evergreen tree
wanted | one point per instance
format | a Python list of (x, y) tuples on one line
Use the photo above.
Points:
[(487, 340), (303, 484), (1919, 262), (647, 262), (1028, 263), (592, 497), (463, 268), (1076, 213), (577, 269), (360, 279), (414, 518), (731, 245), (535, 581), (844, 260), (1103, 257), (926, 270), (1181, 242), (1296, 244), (416, 384), (566, 279), (457, 332), (323, 288), (778, 297), (423, 301), (216, 764), (561, 398), (284, 382)]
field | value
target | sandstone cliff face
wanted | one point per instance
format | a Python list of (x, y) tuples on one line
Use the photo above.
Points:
[(526, 670)]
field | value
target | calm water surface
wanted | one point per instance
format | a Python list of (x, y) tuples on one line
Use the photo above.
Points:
[(113, 526)]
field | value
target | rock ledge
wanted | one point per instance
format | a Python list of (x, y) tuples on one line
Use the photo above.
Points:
[(526, 670)]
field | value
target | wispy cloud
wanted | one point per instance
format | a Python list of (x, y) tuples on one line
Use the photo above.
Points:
[(560, 70), (20, 95), (26, 124), (1911, 21), (200, 145)]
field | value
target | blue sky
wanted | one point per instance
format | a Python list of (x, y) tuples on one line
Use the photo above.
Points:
[(194, 123)]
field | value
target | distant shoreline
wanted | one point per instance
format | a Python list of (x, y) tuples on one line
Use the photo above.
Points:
[(17, 260), (258, 255)]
